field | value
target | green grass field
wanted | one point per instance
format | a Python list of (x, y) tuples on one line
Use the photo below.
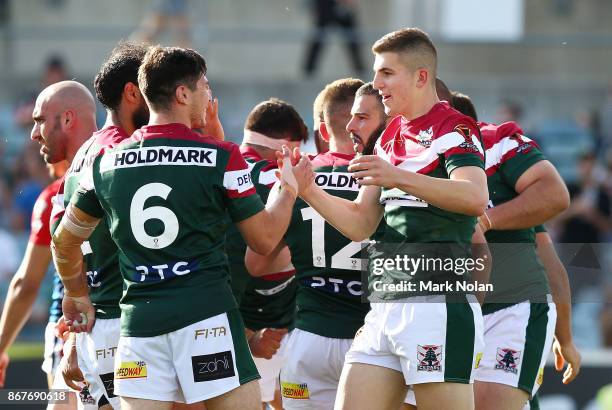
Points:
[(26, 350)]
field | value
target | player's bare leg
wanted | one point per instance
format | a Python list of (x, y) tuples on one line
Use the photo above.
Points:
[(408, 407), (364, 386), (498, 396), (105, 407), (245, 397), (131, 403), (456, 396)]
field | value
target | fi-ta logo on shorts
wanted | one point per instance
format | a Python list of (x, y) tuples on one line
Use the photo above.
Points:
[(212, 366)]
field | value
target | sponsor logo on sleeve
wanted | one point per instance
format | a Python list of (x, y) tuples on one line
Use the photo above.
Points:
[(237, 180), (508, 360), (295, 391), (214, 366), (429, 358), (131, 370), (466, 133), (523, 145), (108, 381)]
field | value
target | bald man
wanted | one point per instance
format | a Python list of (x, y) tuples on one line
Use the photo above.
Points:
[(64, 118)]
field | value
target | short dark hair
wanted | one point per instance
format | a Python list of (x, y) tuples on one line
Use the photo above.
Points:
[(277, 119), (164, 69), (368, 89), (442, 90), (410, 41), (463, 104), (338, 95), (120, 68)]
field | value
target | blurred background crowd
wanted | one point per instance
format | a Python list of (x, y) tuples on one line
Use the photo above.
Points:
[(546, 64)]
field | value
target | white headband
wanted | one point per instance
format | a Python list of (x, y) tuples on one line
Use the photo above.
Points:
[(256, 138)]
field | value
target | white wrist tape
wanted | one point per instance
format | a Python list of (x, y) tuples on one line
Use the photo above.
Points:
[(75, 226), (286, 174)]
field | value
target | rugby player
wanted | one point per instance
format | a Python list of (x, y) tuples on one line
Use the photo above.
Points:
[(64, 117), (25, 284), (317, 116), (116, 86), (429, 164), (329, 308), (368, 119), (526, 190), (267, 304), (165, 192)]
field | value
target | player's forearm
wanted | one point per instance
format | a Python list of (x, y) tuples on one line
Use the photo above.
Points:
[(68, 261), (76, 226), (559, 285), (277, 261), (460, 196), (541, 201), (16, 311), (342, 214), (278, 216)]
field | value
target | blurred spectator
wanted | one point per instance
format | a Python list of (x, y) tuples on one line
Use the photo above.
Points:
[(587, 220), (54, 72), (9, 262), (589, 121), (606, 118), (326, 14), (509, 111), (166, 14), (31, 177)]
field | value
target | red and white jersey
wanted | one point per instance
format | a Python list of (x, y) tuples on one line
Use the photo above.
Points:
[(40, 234)]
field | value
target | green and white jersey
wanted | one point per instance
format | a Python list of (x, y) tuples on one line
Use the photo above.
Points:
[(268, 301), (327, 264), (517, 274), (99, 251), (167, 192), (434, 144)]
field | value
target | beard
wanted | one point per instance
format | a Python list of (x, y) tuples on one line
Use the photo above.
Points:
[(140, 117), (368, 147)]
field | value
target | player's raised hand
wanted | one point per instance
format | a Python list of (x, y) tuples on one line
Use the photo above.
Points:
[(4, 362), (265, 342), (69, 365), (567, 353), (373, 170), (213, 125), (79, 313), (285, 173)]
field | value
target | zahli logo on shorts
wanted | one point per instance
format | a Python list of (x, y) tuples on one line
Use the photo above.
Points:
[(214, 366), (508, 360), (429, 357), (131, 370), (295, 391)]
